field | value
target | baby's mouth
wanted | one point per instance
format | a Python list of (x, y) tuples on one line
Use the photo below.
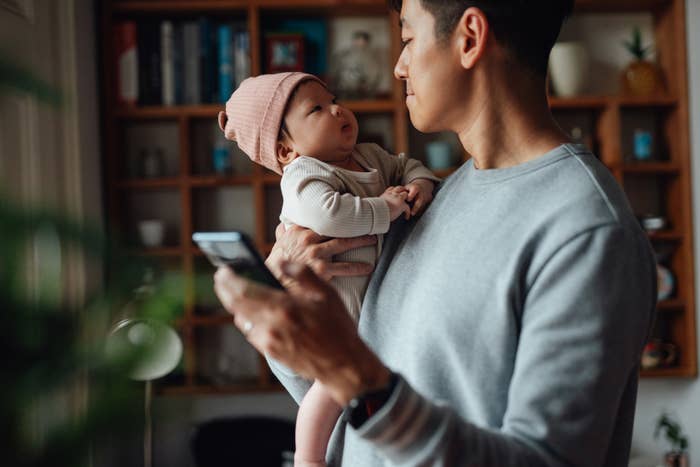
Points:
[(346, 127)]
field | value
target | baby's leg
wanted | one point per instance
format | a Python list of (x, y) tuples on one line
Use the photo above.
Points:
[(316, 419)]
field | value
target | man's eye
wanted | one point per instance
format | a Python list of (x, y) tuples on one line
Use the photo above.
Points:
[(404, 42)]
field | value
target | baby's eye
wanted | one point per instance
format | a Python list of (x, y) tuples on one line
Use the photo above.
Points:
[(334, 100), (315, 109)]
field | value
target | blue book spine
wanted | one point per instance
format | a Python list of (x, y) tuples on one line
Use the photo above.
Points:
[(207, 62), (226, 77)]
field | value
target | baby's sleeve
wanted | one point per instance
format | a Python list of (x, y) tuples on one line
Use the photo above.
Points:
[(313, 197), (401, 169)]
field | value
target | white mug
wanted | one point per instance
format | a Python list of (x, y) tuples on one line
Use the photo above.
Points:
[(152, 232)]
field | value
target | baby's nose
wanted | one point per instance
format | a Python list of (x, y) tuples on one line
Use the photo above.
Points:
[(335, 110)]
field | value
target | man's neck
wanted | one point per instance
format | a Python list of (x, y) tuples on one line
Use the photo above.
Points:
[(513, 125)]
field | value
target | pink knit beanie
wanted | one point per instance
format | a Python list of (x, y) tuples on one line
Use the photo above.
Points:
[(254, 114)]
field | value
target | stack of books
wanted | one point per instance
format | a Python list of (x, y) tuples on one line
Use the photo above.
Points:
[(179, 62)]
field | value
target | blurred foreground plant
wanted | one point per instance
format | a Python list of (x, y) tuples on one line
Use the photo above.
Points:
[(61, 393)]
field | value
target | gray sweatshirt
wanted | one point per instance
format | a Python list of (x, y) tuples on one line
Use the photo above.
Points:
[(515, 311)]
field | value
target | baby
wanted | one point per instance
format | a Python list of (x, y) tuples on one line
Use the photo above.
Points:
[(291, 124)]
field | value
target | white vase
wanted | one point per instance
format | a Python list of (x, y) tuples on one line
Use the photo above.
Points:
[(569, 68)]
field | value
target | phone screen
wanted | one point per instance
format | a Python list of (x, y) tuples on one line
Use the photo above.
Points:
[(236, 252)]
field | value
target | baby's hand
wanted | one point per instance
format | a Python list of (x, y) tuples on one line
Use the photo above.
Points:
[(395, 197), (420, 192)]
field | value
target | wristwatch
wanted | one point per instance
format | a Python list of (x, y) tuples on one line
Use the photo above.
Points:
[(362, 407)]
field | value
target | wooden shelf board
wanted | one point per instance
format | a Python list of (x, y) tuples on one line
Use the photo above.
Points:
[(211, 320), (162, 251), (667, 235), (169, 112), (579, 102), (212, 110), (651, 101), (271, 179), (671, 305), (600, 102), (370, 106), (150, 183), (163, 6), (204, 181), (678, 372), (651, 168), (601, 6), (247, 387)]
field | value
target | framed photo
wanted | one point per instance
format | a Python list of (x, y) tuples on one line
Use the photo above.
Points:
[(285, 52)]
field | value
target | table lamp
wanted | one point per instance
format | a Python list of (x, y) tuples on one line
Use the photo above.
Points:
[(157, 349)]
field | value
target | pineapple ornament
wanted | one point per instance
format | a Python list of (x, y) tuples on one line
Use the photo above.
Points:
[(641, 77)]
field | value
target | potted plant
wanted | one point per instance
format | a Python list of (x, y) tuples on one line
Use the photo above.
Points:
[(641, 77), (677, 456)]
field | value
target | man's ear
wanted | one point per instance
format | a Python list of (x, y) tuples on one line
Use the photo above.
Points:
[(285, 154), (473, 34)]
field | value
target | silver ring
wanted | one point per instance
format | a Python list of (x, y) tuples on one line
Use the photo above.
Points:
[(247, 327)]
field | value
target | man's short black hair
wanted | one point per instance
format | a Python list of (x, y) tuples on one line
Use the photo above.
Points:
[(527, 28)]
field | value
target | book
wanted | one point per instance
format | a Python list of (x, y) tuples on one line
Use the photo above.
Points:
[(191, 63), (225, 47), (241, 56), (149, 64), (179, 63), (126, 58), (208, 63), (167, 64)]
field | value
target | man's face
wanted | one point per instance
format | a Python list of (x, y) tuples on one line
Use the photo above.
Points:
[(431, 70), (318, 126)]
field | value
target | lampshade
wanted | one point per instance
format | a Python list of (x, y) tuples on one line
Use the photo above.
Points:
[(156, 346)]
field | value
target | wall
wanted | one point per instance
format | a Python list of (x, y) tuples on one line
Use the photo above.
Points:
[(679, 396)]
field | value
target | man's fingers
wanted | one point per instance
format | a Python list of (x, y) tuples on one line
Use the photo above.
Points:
[(280, 230), (306, 278), (342, 269), (341, 245), (407, 212)]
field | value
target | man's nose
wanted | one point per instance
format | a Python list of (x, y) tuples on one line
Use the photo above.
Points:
[(400, 69)]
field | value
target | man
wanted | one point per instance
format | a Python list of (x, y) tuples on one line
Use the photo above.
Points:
[(504, 326)]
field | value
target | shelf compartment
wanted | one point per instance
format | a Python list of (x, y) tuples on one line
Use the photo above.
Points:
[(224, 208), (224, 358)]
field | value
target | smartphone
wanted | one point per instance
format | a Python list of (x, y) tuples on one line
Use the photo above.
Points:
[(235, 250)]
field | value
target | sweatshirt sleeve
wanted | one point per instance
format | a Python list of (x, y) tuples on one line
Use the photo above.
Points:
[(585, 319), (313, 197), (403, 170), (297, 386)]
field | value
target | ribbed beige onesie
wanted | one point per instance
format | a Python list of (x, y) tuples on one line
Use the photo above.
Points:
[(336, 202)]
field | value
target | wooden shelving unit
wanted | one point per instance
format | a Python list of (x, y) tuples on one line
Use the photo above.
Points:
[(677, 314)]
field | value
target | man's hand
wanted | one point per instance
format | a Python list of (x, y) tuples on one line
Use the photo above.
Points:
[(395, 197), (304, 246), (420, 193), (306, 328)]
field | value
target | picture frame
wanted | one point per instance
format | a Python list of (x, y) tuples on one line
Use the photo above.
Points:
[(285, 52)]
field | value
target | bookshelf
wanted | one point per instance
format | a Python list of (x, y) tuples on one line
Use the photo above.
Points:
[(191, 196)]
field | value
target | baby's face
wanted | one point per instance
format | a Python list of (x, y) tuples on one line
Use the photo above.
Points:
[(319, 127)]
